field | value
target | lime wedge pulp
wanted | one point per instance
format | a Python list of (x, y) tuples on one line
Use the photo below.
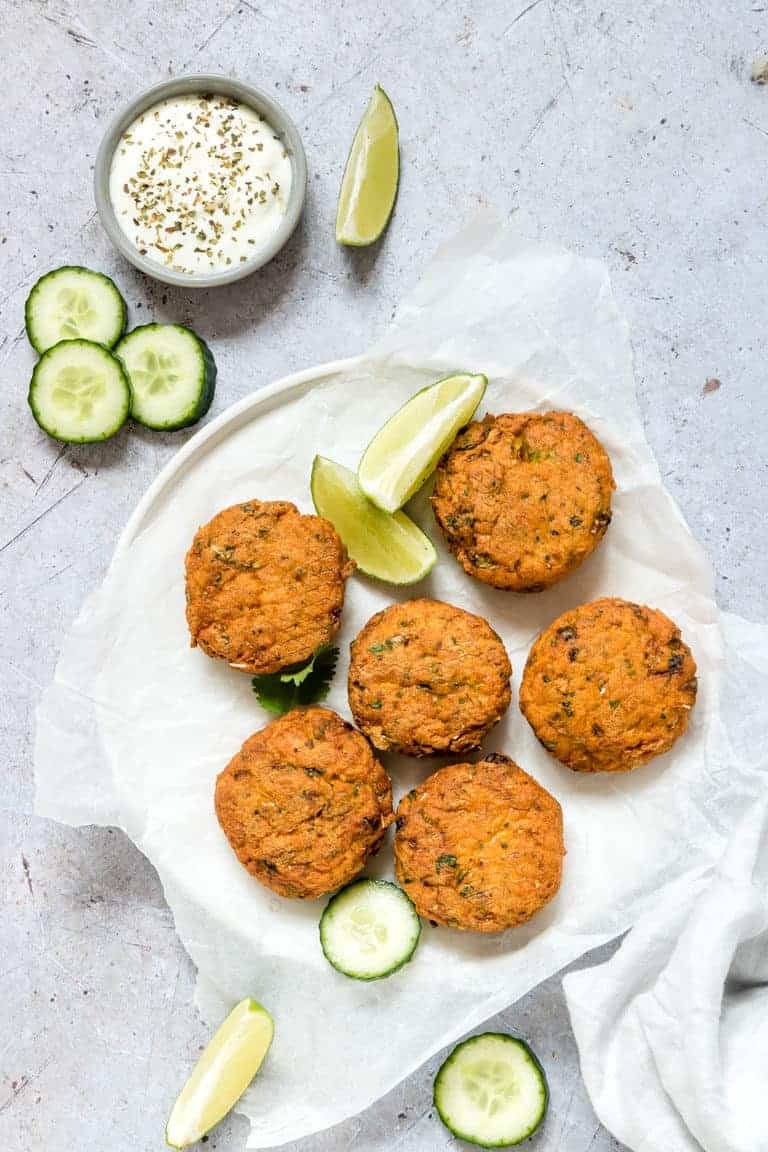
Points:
[(230, 1061), (407, 449), (369, 184), (390, 548)]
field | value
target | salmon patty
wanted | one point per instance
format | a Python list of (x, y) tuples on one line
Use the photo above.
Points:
[(523, 499), (265, 585), (608, 686), (427, 678), (304, 803), (479, 846)]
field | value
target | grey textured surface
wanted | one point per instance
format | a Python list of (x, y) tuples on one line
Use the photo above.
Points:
[(632, 132)]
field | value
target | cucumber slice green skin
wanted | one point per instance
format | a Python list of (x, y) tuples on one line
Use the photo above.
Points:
[(335, 907), (37, 402), (192, 412), (110, 333), (527, 1125)]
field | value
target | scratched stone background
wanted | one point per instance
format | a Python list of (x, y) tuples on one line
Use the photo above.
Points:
[(631, 131)]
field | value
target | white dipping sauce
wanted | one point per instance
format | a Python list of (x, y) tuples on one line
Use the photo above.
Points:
[(200, 183)]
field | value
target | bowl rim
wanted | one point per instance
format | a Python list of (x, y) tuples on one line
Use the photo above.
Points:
[(187, 85)]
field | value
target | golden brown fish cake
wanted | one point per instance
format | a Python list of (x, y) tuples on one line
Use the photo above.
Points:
[(265, 585), (304, 803), (427, 678), (608, 686), (479, 846), (523, 498)]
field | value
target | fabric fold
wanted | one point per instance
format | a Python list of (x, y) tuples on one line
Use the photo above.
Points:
[(672, 1031)]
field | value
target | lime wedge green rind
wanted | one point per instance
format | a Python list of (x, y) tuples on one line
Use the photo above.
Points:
[(389, 548), (371, 176), (230, 1061), (407, 449)]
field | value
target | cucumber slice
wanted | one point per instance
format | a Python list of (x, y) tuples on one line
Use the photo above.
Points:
[(79, 392), (369, 929), (172, 375), (389, 548), (491, 1091), (73, 303)]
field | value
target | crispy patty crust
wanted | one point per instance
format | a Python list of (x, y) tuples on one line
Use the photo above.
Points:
[(304, 803), (608, 686), (523, 498), (265, 585), (427, 678), (479, 846)]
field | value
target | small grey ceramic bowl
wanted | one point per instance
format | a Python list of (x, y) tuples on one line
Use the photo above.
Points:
[(185, 86)]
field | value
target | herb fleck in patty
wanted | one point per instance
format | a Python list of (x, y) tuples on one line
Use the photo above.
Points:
[(479, 846), (523, 499), (608, 686), (428, 678)]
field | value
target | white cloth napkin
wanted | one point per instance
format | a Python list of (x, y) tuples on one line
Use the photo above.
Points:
[(672, 1031)]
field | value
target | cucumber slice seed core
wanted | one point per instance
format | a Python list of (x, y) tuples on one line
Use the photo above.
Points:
[(154, 372), (490, 1084), (78, 389), (74, 313), (368, 932)]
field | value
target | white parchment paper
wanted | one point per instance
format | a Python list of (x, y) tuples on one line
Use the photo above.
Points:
[(137, 725)]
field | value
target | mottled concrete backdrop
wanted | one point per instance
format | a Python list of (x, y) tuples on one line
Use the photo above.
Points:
[(631, 130)]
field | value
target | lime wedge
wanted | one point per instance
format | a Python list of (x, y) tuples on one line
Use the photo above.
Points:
[(369, 185), (390, 548), (407, 449), (223, 1072)]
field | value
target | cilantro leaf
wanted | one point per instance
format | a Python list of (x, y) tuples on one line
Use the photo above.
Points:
[(298, 685)]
